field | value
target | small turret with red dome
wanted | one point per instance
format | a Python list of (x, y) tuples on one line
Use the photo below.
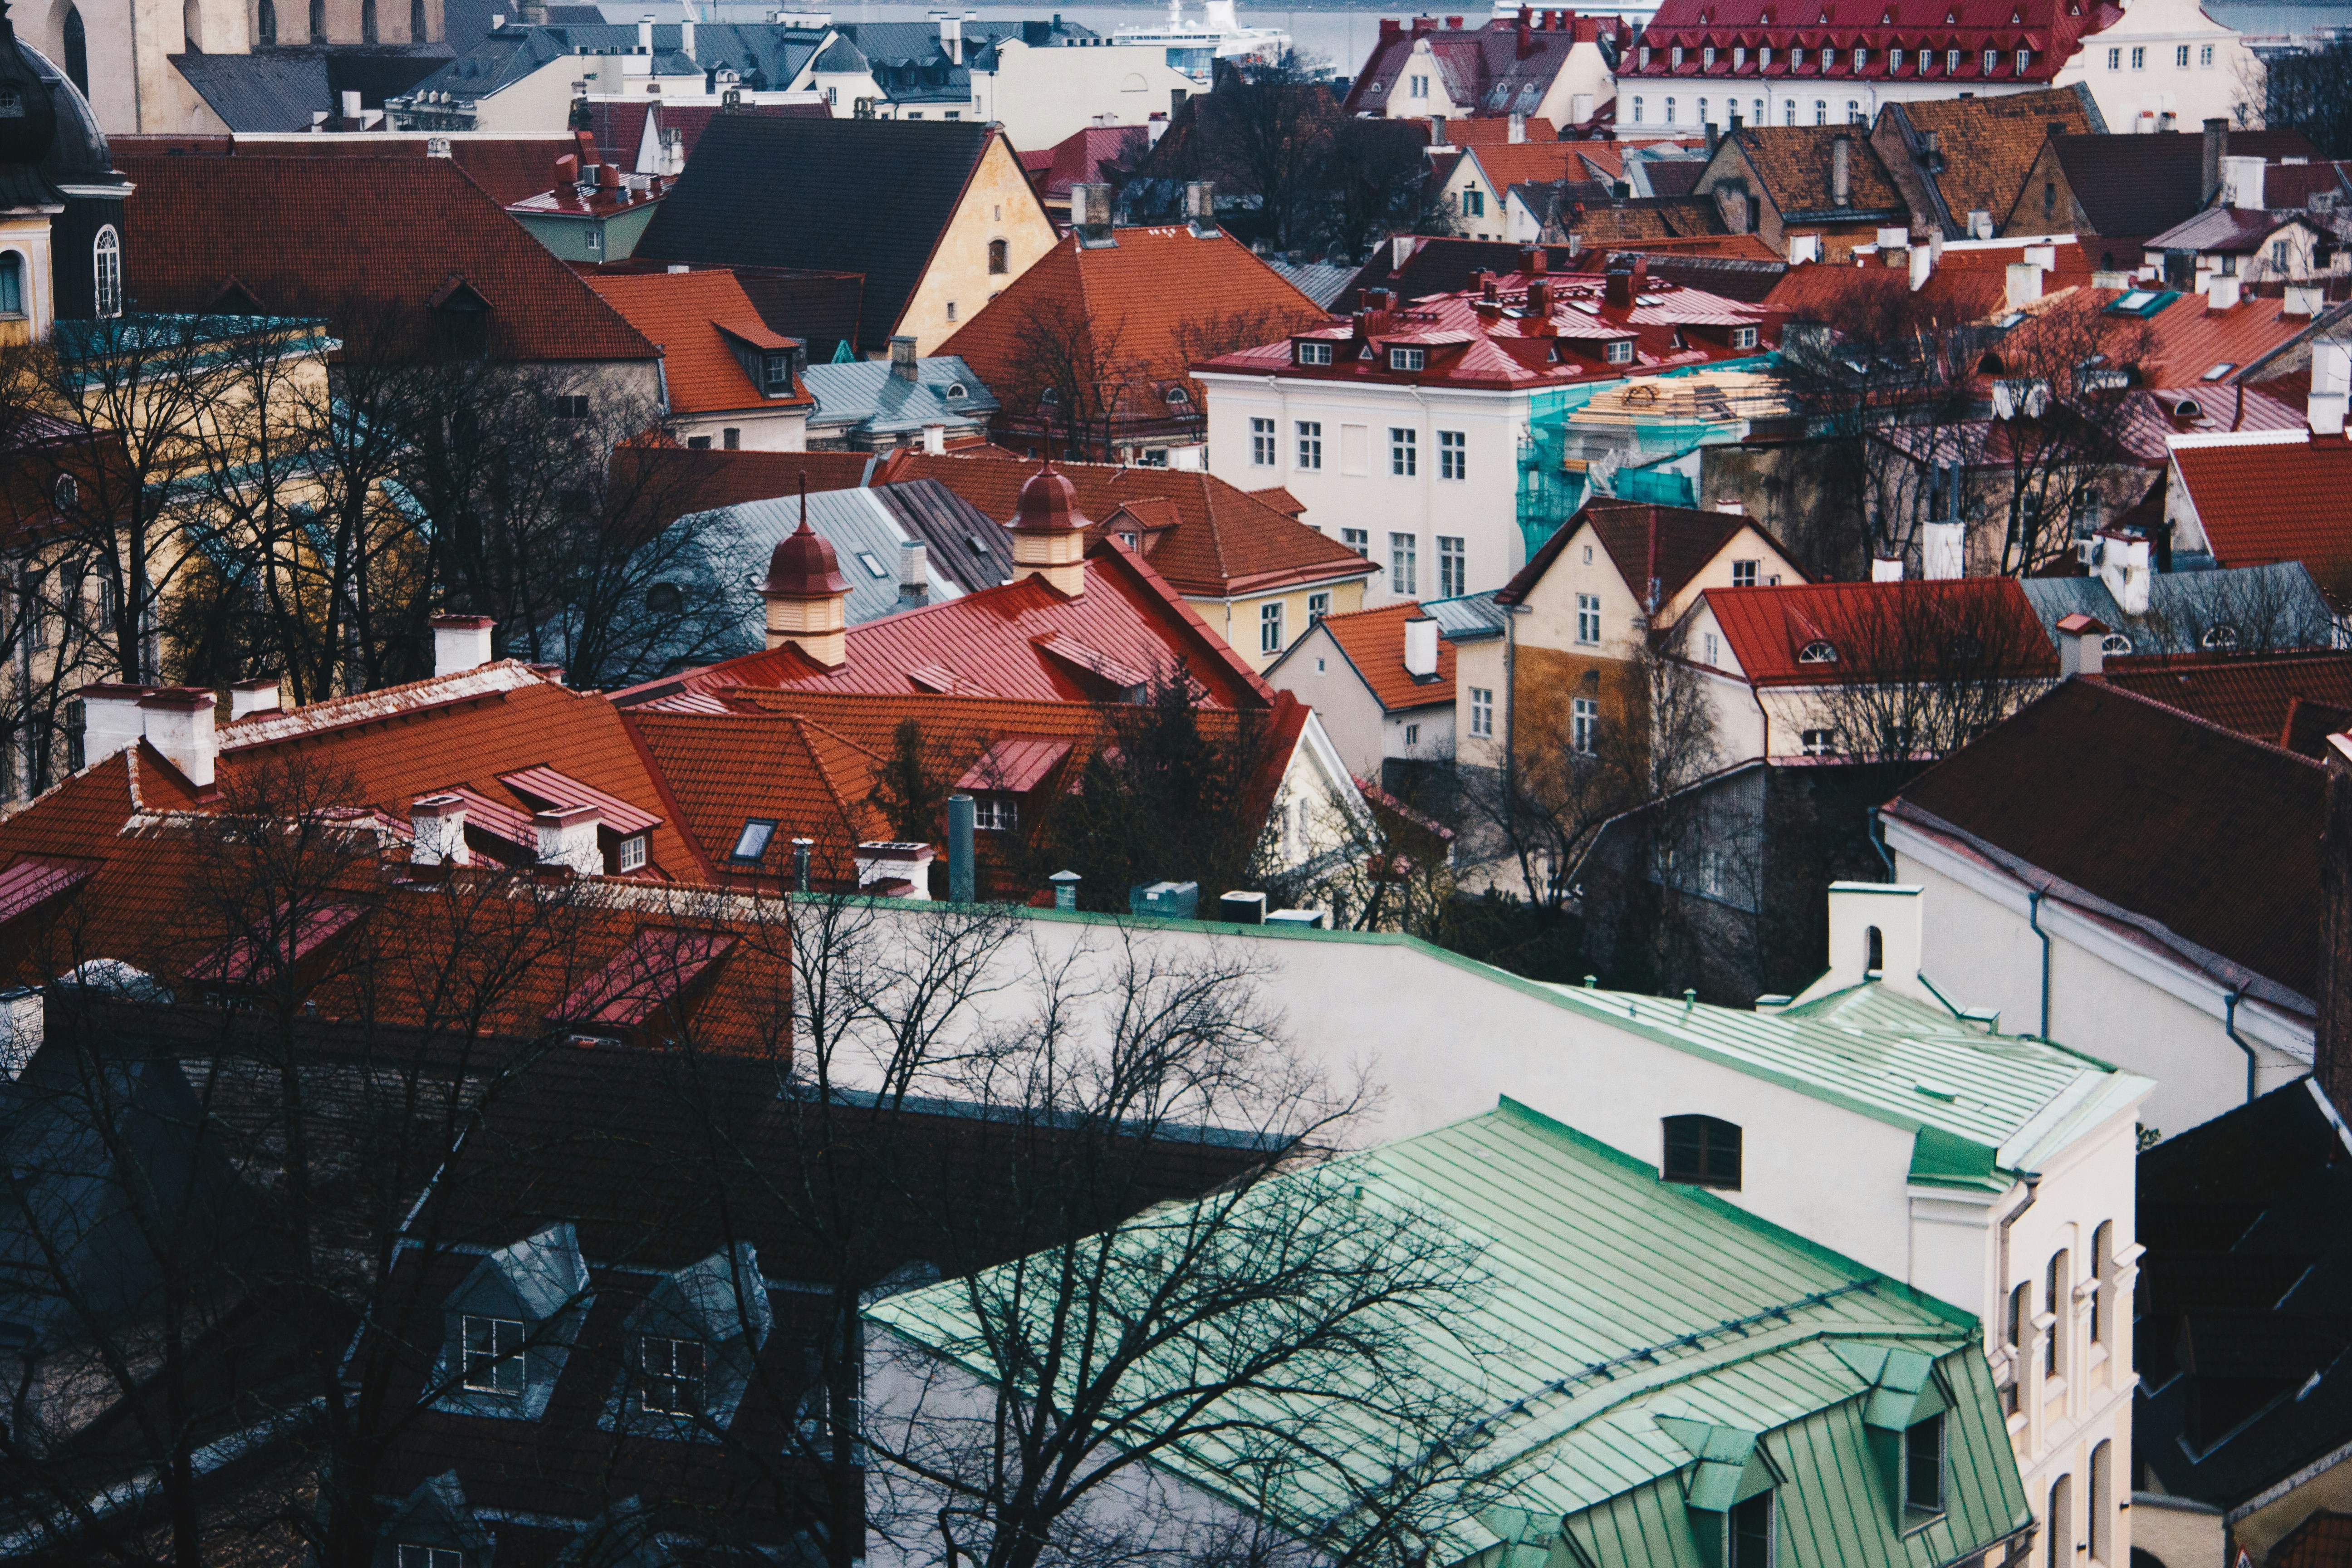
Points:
[(1049, 531), (803, 565), (1048, 502), (808, 598)]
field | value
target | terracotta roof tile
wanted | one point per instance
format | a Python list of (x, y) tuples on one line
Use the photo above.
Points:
[(303, 235), (1879, 630), (1988, 145), (2255, 695), (1374, 641), (1490, 130), (2274, 500), (1505, 163), (683, 313)]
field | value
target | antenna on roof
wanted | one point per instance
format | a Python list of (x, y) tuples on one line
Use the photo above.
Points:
[(803, 501)]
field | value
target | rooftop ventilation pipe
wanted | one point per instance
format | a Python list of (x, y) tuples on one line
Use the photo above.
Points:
[(959, 825)]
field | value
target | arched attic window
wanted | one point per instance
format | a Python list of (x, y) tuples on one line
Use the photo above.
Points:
[(1817, 651)]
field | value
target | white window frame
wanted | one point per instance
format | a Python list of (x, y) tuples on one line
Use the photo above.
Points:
[(1359, 539), (1482, 711), (1408, 359), (996, 814), (629, 855), (1584, 726), (1309, 453), (1269, 626), (1587, 620), (1453, 565), (106, 266), (1404, 562), (1262, 443), (1743, 574), (655, 1349), (1315, 354), (1404, 451), (1453, 454), (501, 1360), (1618, 350)]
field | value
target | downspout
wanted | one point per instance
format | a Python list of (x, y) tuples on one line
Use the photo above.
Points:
[(1871, 830), (2230, 1028), (2033, 1191), (2033, 919)]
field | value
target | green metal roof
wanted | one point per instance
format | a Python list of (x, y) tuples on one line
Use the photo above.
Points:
[(1645, 1352)]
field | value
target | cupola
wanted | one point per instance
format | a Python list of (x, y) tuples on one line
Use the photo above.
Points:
[(1049, 532), (808, 598)]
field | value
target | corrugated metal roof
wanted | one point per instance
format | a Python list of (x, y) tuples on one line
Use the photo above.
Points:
[(1470, 618), (1014, 764), (863, 396), (1589, 1269), (2273, 606), (562, 791), (970, 546), (864, 532)]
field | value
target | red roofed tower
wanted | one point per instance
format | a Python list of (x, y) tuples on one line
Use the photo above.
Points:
[(808, 598), (1049, 532)]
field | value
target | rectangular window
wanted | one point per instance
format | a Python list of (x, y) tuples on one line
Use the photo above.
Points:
[(996, 813), (1670, 111), (2024, 61), (1310, 443), (1315, 354), (1637, 104), (1482, 711), (1743, 574), (1413, 735), (1452, 566), (1262, 443), (2115, 60), (731, 438), (1474, 203), (1749, 1528), (631, 854), (1359, 539), (1317, 606), (2055, 1299), (1269, 627), (1404, 452), (780, 373), (952, 309), (2205, 57), (430, 1557), (1923, 1466), (492, 1355), (1453, 454), (1584, 726), (1620, 351), (1821, 742), (698, 442), (2139, 58), (1420, 88), (1587, 619), (1408, 359), (1991, 59), (1820, 111), (2180, 57), (1788, 111), (670, 1376), (572, 406), (1404, 555), (2278, 255), (1743, 337), (752, 842)]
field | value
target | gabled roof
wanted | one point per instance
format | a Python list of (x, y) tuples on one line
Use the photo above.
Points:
[(1153, 300), (1078, 158), (2132, 186), (1880, 631), (746, 196), (2230, 231), (1506, 164), (2276, 606), (1671, 543), (2273, 500), (1492, 70), (1213, 541), (1023, 640), (1986, 146), (282, 89), (1614, 1271), (2257, 696), (690, 317), (620, 123), (300, 235), (866, 397), (1796, 166), (2201, 837), (1372, 641)]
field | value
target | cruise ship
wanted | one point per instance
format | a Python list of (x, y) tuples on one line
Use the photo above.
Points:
[(1193, 45)]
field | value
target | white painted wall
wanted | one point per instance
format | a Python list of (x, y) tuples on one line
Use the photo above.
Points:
[(1044, 96), (759, 430), (1319, 675), (1354, 488), (2206, 88)]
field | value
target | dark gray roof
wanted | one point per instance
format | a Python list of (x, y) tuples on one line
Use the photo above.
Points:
[(78, 156), (1318, 281), (965, 543), (2266, 607), (765, 53), (865, 534), (863, 395), (857, 195), (282, 89), (1474, 617)]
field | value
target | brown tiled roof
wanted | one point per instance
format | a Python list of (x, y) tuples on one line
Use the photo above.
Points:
[(2207, 835), (2323, 1540), (334, 237), (1796, 164), (1988, 145), (1508, 163), (2255, 695), (1490, 130), (1157, 300), (510, 168), (1675, 541), (1881, 630), (1374, 641)]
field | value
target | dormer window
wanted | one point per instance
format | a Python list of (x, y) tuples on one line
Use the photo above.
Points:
[(1178, 398), (1817, 652), (509, 1326), (693, 1346), (1706, 57), (1645, 57), (1743, 337), (669, 1375), (1315, 354), (629, 855), (996, 814), (414, 1556), (1620, 351), (493, 1356), (1407, 359), (955, 390), (1923, 1466), (779, 369), (1678, 56)]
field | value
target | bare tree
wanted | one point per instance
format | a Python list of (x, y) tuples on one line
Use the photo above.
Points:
[(1271, 123), (1914, 670), (2309, 91)]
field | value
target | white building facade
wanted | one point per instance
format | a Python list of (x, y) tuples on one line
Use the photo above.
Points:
[(2168, 58)]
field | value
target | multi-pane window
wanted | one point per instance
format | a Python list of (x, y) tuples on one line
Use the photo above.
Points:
[(1743, 574), (2024, 60), (670, 1376), (1702, 1151), (1750, 1529), (1413, 735), (1584, 726), (1473, 202), (1315, 354), (1404, 452), (1620, 351), (1923, 1466), (2205, 57), (1453, 569), (630, 854), (1262, 443), (1317, 606), (2139, 58), (1820, 111), (1408, 359), (1359, 539), (1821, 742), (2278, 255), (492, 1349), (1269, 627), (106, 257), (1588, 618), (996, 813), (430, 1556), (2115, 60), (1310, 443), (1482, 711), (1743, 337), (1453, 454), (2180, 56), (1404, 555), (1637, 100), (1991, 60), (1788, 111)]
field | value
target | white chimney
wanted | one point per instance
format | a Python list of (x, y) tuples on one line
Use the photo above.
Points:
[(645, 34), (1894, 239), (2325, 412), (2082, 644), (878, 860), (2025, 283), (1804, 248), (2331, 380), (1518, 131), (109, 719), (1943, 550), (1979, 224), (2124, 571), (952, 38), (934, 439), (1421, 647), (2241, 182), (256, 696), (1890, 913), (2045, 257), (438, 824), (350, 105), (686, 38), (914, 572), (2221, 293), (2302, 299), (179, 723), (1923, 263), (1731, 506), (1886, 568), (568, 838), (460, 643)]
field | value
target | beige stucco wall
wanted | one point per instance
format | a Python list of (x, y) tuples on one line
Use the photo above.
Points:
[(1237, 619), (997, 204), (1041, 96), (2266, 1526), (2176, 1532), (2192, 95)]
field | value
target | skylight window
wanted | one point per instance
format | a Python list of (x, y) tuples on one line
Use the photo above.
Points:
[(2137, 299), (752, 843), (2218, 371), (874, 568)]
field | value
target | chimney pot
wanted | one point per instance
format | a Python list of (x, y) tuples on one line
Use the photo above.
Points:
[(460, 643), (437, 825), (1066, 890)]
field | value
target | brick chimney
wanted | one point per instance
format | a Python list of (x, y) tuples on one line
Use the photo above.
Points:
[(808, 598), (2216, 147), (1049, 532)]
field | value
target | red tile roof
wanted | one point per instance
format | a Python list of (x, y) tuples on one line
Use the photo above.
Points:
[(1023, 639), (686, 314), (1491, 68), (2255, 695), (1672, 543), (1158, 297), (323, 235), (1078, 158), (2182, 341), (1203, 535), (1491, 131), (2211, 837), (1374, 641), (2275, 499), (1880, 631), (1505, 163)]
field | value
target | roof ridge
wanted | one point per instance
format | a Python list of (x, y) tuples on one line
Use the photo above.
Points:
[(2187, 717)]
